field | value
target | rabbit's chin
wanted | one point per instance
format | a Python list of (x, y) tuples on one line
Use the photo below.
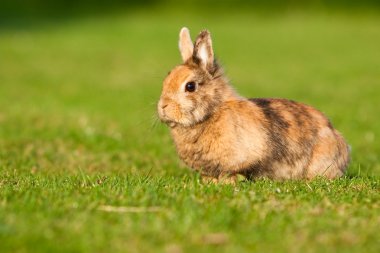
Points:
[(187, 120), (182, 123), (172, 124), (169, 123)]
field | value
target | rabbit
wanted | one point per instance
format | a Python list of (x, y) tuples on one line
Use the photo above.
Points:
[(223, 135)]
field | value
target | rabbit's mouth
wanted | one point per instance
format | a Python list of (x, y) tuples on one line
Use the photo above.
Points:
[(164, 119), (168, 120), (174, 118), (170, 123)]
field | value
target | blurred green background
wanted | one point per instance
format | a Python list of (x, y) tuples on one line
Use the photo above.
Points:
[(18, 10), (79, 82)]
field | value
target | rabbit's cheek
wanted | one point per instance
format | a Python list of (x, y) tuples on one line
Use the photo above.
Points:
[(187, 105), (177, 113)]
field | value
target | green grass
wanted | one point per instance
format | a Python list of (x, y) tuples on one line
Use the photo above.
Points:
[(78, 132)]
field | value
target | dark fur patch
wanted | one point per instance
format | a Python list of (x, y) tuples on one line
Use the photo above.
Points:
[(305, 123), (277, 128), (271, 114), (257, 169), (195, 60)]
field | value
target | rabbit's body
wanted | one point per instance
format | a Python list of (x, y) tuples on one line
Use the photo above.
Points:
[(274, 138), (222, 134)]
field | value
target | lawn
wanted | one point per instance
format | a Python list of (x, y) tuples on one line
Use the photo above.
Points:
[(85, 166)]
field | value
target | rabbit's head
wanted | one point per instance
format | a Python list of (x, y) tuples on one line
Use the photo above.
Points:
[(192, 91)]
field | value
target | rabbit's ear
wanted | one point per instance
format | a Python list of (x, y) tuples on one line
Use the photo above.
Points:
[(203, 50), (186, 46)]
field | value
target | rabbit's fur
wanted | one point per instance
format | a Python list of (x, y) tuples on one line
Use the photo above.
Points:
[(222, 134)]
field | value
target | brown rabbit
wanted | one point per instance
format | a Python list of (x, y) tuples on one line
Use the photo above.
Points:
[(222, 134)]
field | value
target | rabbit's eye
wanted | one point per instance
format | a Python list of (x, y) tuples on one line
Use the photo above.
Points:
[(190, 87)]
